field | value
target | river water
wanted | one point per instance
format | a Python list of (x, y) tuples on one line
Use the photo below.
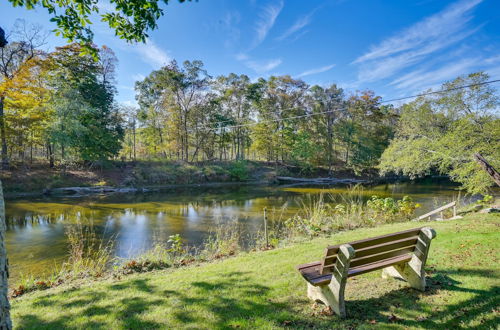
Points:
[(36, 240)]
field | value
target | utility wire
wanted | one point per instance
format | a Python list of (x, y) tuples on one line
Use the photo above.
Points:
[(337, 109), (444, 91)]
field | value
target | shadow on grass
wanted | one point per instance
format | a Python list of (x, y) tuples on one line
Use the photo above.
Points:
[(206, 304), (473, 305), (238, 299)]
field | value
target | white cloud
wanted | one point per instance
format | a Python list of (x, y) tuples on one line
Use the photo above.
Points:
[(138, 77), (263, 66), (299, 24), (413, 44), (241, 57), (266, 20), (316, 70), (259, 66), (419, 79), (229, 22), (152, 54)]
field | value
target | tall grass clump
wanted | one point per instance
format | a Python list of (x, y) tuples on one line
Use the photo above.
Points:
[(160, 256), (225, 239), (89, 255), (330, 213)]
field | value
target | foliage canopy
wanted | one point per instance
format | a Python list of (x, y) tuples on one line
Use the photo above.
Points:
[(442, 133)]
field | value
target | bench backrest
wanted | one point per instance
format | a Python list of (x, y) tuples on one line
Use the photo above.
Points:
[(374, 249)]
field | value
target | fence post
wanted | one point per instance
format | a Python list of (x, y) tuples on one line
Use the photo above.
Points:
[(265, 227)]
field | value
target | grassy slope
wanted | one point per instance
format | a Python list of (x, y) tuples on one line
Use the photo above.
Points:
[(263, 290)]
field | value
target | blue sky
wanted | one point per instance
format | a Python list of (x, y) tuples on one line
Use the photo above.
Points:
[(394, 47)]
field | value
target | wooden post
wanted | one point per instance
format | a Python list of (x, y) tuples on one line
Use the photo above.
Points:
[(265, 227), (455, 211), (442, 215)]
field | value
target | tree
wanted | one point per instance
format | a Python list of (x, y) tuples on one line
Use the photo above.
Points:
[(279, 98), (329, 102), (443, 133), (173, 97), (27, 113), (236, 104), (5, 321), (131, 20), (15, 55), (365, 128), (88, 122)]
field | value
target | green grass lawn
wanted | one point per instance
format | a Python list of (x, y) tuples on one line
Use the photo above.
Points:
[(263, 290)]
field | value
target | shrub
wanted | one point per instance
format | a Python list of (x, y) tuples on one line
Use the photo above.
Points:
[(239, 171)]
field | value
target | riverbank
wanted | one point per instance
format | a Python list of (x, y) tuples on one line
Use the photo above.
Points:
[(263, 290), (39, 179)]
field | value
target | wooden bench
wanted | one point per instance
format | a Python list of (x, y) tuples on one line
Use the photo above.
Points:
[(401, 254)]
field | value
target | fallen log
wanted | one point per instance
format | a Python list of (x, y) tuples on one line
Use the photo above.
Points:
[(81, 191), (287, 179)]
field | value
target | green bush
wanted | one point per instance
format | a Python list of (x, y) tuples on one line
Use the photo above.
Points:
[(239, 171)]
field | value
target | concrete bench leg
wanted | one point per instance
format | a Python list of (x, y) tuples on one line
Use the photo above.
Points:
[(413, 271), (332, 295)]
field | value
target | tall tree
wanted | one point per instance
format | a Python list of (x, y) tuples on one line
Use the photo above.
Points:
[(25, 40), (5, 321), (236, 103), (327, 103), (177, 93), (443, 132), (88, 122), (280, 99), (365, 129)]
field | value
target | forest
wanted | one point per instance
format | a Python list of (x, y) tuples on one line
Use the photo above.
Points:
[(59, 108)]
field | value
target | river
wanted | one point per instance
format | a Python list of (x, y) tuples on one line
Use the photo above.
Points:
[(36, 240)]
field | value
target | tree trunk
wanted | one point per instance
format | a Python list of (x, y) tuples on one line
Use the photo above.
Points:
[(488, 168), (134, 141), (51, 155), (5, 322), (5, 158), (330, 145)]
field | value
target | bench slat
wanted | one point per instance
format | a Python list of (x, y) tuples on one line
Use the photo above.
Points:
[(308, 265), (376, 240), (379, 265), (372, 245), (313, 276), (381, 256), (389, 246)]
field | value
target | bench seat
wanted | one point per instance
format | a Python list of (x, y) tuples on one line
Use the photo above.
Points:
[(311, 271)]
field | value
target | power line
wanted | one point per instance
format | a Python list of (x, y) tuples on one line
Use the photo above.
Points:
[(345, 108), (337, 109), (444, 91)]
